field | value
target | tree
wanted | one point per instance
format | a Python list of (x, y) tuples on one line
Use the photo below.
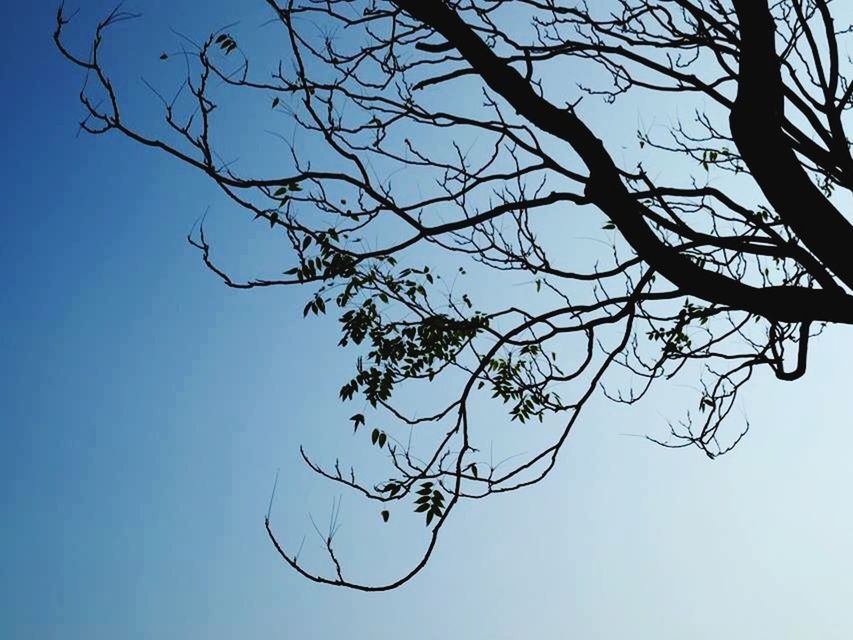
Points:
[(729, 266)]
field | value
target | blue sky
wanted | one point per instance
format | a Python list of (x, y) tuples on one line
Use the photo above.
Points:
[(145, 408)]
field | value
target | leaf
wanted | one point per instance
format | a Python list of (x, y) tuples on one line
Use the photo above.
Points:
[(429, 518), (609, 226), (474, 470), (275, 102), (357, 421), (280, 191), (422, 508), (382, 439), (374, 436), (385, 515), (164, 56)]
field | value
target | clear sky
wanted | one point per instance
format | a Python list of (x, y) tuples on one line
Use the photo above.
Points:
[(145, 408)]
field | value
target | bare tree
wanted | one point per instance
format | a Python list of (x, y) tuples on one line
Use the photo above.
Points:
[(731, 265)]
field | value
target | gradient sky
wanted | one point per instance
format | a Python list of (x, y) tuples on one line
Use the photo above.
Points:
[(145, 408)]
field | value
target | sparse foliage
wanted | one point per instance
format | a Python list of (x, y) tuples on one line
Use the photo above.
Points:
[(731, 264)]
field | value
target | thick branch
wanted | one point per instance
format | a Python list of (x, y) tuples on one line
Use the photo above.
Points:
[(756, 121), (606, 189)]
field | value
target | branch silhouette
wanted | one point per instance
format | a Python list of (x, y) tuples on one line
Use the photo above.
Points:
[(733, 265)]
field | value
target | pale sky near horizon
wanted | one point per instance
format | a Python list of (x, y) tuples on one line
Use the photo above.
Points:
[(145, 408)]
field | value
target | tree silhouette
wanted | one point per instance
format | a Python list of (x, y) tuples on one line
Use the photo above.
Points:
[(733, 263)]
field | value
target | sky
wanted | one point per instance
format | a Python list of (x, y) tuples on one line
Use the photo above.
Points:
[(145, 409)]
